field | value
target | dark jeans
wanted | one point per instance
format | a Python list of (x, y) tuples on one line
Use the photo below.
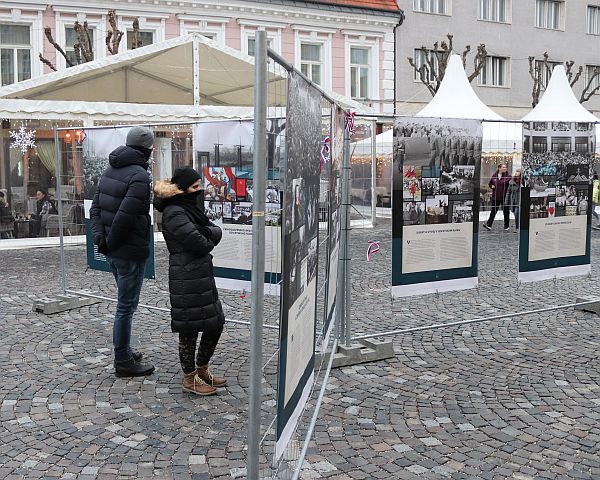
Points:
[(187, 349), (129, 276), (517, 214), (496, 204)]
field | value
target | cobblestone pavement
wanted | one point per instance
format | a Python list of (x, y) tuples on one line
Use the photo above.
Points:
[(517, 398)]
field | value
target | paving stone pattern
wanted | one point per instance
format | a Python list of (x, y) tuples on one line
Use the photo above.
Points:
[(514, 398)]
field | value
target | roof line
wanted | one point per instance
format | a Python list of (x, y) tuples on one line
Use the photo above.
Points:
[(398, 11)]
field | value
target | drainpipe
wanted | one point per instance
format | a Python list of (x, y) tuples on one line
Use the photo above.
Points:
[(400, 22)]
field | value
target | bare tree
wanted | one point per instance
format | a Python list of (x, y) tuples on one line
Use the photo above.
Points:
[(136, 40), (432, 70), (57, 47), (114, 35), (540, 71), (83, 48)]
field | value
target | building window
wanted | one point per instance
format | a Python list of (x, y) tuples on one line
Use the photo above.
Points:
[(311, 61), (494, 72), (546, 69), (493, 10), (144, 38), (421, 59), (561, 144), (593, 20), (540, 144), (590, 71), (359, 72), (441, 7), (549, 14), (71, 40), (252, 45), (15, 53)]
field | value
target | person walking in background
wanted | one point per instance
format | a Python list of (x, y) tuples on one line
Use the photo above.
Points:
[(120, 216), (513, 197), (498, 185), (195, 304), (595, 191)]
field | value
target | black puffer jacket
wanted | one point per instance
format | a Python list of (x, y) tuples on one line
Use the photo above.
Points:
[(190, 237), (121, 206)]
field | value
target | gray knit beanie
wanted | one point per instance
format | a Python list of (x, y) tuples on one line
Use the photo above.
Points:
[(140, 137)]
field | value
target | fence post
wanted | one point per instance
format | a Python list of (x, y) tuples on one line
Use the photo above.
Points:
[(373, 173), (346, 237), (258, 252), (57, 159)]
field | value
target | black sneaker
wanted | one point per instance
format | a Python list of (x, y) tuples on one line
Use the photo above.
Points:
[(131, 368), (486, 226), (506, 229)]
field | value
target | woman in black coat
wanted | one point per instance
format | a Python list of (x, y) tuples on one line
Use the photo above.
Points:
[(195, 304)]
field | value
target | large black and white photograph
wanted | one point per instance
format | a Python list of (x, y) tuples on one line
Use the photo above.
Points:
[(558, 165), (301, 191), (436, 169)]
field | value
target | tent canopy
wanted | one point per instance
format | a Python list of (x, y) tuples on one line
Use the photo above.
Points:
[(455, 98), (189, 71), (559, 102)]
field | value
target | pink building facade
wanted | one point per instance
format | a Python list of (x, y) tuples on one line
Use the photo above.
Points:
[(347, 49)]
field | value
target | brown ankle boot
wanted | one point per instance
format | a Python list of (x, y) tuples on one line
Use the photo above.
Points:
[(204, 373), (194, 384)]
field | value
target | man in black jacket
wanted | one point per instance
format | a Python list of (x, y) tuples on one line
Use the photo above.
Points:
[(121, 225)]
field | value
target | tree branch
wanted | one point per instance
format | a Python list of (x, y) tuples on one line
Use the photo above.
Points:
[(47, 62), (114, 35), (478, 61), (48, 33), (587, 93), (423, 75)]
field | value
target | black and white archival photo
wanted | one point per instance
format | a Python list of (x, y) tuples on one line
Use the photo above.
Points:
[(301, 191), (462, 211), (558, 164), (436, 165), (414, 213)]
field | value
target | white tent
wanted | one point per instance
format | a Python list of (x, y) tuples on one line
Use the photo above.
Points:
[(186, 77), (559, 102), (455, 98)]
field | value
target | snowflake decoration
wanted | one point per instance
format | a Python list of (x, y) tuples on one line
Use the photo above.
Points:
[(24, 139)]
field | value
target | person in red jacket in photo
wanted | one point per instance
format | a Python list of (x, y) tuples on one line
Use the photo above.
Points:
[(499, 185)]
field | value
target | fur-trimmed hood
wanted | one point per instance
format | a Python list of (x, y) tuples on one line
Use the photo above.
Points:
[(164, 191)]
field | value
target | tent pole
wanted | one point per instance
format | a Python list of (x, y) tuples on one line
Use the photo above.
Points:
[(258, 252), (63, 278), (196, 70)]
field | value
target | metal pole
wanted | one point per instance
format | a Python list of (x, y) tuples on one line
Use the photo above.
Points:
[(258, 251), (373, 173), (315, 416), (475, 320), (346, 237), (57, 159)]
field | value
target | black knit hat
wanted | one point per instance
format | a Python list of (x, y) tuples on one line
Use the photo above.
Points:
[(184, 177)]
